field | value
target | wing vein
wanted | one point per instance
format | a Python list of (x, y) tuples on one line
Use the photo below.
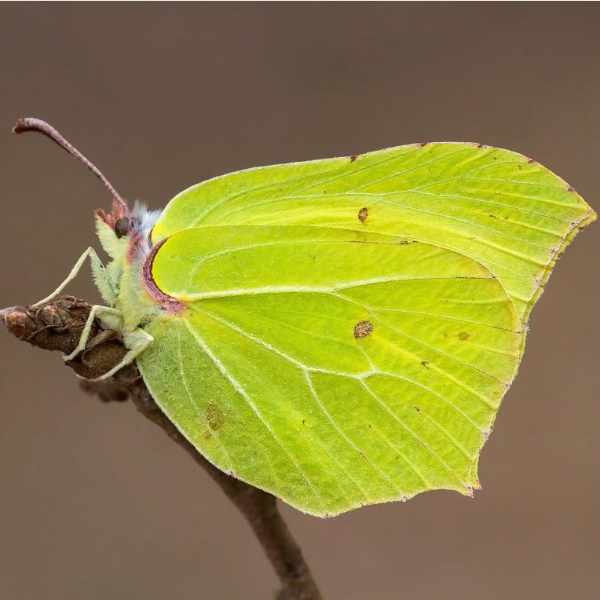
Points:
[(243, 394), (411, 432), (193, 400), (346, 439)]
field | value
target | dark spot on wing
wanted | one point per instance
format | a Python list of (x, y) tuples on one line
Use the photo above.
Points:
[(463, 336), (354, 157), (423, 144), (363, 329), (425, 363), (363, 213), (214, 416)]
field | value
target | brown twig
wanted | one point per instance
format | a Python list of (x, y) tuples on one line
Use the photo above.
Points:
[(57, 326)]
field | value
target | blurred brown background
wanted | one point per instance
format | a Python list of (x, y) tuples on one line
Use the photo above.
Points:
[(97, 503)]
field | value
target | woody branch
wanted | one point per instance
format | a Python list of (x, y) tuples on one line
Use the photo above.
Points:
[(57, 325)]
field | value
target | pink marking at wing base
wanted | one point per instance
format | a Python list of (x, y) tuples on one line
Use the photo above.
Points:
[(168, 303)]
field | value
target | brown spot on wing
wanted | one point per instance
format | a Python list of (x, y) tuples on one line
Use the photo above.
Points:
[(463, 336), (354, 157), (363, 214), (214, 416), (363, 329)]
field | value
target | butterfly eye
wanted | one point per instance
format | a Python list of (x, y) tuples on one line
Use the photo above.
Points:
[(122, 226)]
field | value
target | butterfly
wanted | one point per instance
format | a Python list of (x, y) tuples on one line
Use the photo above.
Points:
[(337, 332)]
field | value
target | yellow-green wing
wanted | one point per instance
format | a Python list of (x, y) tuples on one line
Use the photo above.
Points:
[(498, 207), (334, 368)]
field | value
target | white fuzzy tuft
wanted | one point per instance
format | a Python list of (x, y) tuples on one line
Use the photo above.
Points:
[(144, 218)]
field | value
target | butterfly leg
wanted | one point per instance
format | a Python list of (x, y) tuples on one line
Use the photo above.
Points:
[(97, 268), (135, 342), (109, 317)]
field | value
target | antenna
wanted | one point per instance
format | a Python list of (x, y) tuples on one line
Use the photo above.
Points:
[(26, 124)]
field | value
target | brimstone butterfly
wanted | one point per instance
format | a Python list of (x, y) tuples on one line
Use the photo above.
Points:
[(337, 332)]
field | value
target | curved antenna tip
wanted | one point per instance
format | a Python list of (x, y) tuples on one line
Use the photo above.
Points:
[(18, 128), (25, 124)]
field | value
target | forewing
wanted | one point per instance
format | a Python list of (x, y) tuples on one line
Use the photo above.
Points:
[(498, 207), (333, 368)]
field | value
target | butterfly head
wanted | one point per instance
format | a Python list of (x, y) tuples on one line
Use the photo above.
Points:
[(122, 229), (126, 231), (118, 219)]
